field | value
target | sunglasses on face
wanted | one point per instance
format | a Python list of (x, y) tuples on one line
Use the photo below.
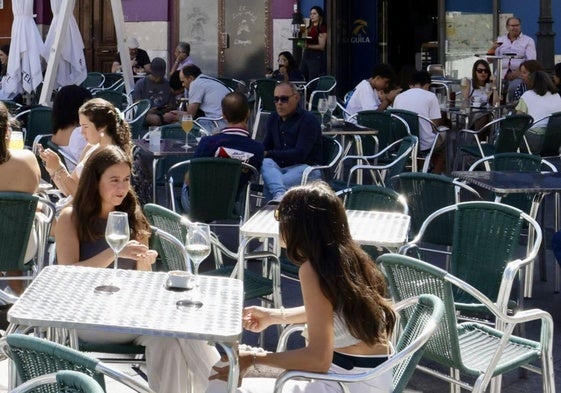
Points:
[(481, 70), (283, 99)]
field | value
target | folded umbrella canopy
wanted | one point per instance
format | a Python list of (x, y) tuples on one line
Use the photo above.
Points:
[(24, 71), (72, 67)]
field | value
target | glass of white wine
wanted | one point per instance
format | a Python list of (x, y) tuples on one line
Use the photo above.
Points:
[(322, 109), (117, 235), (197, 245), (187, 125), (331, 105)]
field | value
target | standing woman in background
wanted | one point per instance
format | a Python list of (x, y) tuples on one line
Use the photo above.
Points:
[(4, 53), (314, 58)]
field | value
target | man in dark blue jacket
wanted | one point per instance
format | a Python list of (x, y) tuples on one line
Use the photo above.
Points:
[(292, 143)]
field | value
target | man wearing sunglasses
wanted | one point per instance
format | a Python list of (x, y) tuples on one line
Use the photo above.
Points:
[(292, 143)]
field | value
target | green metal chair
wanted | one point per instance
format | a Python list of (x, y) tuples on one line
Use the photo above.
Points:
[(17, 216), (135, 115), (424, 314), (528, 203), (414, 122), (117, 98), (66, 381), (381, 172), (552, 138), (332, 152), (263, 286), (34, 357), (372, 197), (36, 120), (425, 193), (263, 92), (471, 348), (93, 80), (218, 188), (505, 133), (485, 238), (114, 81), (317, 88)]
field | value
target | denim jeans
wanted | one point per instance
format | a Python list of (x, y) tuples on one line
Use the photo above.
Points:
[(278, 180)]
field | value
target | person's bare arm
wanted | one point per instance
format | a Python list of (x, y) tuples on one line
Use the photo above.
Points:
[(193, 108), (68, 247), (115, 67)]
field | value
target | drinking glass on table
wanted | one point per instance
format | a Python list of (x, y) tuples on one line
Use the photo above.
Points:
[(322, 109), (187, 125), (197, 244), (331, 105), (117, 235)]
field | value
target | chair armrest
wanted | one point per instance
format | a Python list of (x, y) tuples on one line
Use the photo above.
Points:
[(122, 378), (286, 333)]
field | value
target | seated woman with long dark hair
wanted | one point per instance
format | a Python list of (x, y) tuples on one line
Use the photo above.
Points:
[(349, 321)]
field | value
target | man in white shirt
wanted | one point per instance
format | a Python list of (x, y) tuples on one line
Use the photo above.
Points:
[(370, 94), (420, 100), (205, 94), (518, 44)]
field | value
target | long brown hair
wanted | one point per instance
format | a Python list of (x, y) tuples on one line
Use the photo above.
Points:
[(314, 225), (87, 201), (4, 127), (102, 113)]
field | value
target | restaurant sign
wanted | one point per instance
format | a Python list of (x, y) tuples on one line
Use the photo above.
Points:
[(360, 32)]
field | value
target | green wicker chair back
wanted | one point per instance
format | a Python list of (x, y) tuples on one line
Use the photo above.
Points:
[(472, 348), (552, 137), (213, 188), (17, 213), (168, 256), (135, 115), (486, 236), (372, 197), (93, 79), (510, 133), (34, 357), (426, 193), (264, 91)]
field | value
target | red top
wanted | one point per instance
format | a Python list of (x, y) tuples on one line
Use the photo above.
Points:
[(314, 33)]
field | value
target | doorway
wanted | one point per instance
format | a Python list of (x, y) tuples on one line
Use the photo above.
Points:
[(6, 19), (95, 21), (410, 28), (230, 38)]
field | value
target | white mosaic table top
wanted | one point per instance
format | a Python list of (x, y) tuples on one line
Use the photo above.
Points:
[(64, 297), (382, 229)]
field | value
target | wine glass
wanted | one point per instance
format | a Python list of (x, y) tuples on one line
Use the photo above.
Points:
[(117, 235), (322, 109), (197, 243), (331, 105), (187, 125)]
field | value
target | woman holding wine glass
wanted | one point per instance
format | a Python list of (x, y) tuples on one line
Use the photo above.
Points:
[(104, 188)]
